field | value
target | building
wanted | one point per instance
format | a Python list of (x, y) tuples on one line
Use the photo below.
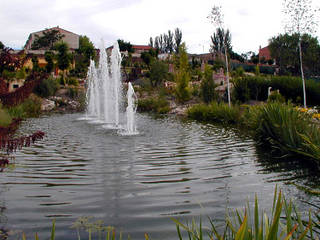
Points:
[(264, 54), (70, 38)]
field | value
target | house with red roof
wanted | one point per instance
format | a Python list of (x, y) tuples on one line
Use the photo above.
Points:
[(264, 54)]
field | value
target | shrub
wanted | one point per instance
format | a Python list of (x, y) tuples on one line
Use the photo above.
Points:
[(47, 87), (31, 107), (215, 112), (157, 105), (207, 86), (72, 81), (275, 96), (5, 118)]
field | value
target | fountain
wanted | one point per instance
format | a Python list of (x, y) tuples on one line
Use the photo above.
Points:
[(130, 111), (104, 96)]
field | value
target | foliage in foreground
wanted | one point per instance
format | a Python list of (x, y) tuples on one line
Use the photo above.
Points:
[(285, 222)]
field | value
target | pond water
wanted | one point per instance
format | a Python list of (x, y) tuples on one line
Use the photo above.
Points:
[(172, 169)]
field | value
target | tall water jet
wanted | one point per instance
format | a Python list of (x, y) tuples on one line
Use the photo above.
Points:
[(131, 128), (116, 81), (104, 93), (90, 94)]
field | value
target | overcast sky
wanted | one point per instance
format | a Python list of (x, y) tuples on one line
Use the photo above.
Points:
[(251, 22)]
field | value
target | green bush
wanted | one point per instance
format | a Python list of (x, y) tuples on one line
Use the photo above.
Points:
[(215, 112), (275, 96), (256, 88), (208, 93), (157, 105), (31, 107), (72, 81), (47, 87), (5, 118)]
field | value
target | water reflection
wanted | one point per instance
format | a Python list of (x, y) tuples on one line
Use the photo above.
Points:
[(135, 183)]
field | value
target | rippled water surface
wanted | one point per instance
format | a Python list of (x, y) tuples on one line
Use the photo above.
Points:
[(136, 183)]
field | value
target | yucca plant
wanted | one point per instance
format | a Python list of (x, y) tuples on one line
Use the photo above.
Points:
[(284, 223)]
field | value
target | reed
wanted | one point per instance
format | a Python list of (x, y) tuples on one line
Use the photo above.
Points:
[(284, 222)]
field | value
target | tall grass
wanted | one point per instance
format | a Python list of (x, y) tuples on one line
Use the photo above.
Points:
[(284, 222), (215, 112), (31, 107)]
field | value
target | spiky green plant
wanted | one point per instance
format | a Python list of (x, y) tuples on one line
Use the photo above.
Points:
[(240, 225)]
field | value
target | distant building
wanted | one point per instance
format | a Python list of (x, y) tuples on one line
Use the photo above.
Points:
[(264, 54), (70, 38)]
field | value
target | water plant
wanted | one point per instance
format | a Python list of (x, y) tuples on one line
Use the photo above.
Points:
[(286, 130), (285, 222)]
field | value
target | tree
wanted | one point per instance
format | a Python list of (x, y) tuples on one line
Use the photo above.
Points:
[(125, 46), (63, 56), (300, 20), (177, 39), (182, 75), (35, 64), (283, 48), (84, 53), (158, 73), (151, 42), (220, 40), (147, 58), (8, 61), (216, 18), (207, 85), (49, 56), (48, 39), (1, 45)]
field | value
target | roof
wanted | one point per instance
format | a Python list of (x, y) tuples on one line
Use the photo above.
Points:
[(53, 28), (141, 47), (265, 52)]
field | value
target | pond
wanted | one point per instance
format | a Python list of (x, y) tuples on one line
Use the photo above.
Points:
[(172, 169)]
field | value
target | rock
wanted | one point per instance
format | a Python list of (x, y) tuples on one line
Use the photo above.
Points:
[(47, 105)]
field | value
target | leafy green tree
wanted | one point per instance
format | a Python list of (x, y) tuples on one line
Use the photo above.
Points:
[(158, 73), (48, 39), (84, 53), (49, 56), (182, 75), (208, 86), (1, 45), (63, 56), (125, 46), (86, 48), (283, 48), (147, 58)]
